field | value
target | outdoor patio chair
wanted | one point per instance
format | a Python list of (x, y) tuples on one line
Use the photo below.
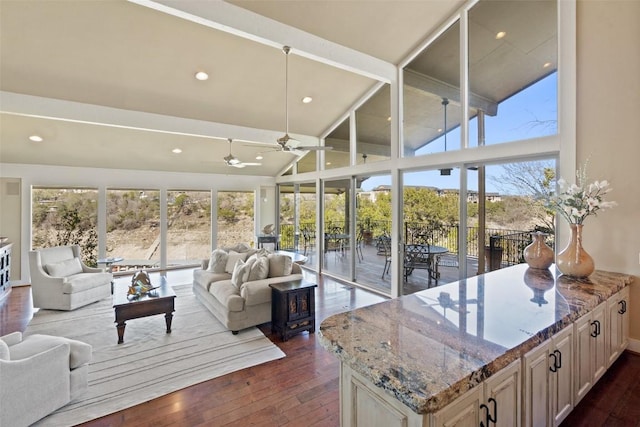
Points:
[(384, 249)]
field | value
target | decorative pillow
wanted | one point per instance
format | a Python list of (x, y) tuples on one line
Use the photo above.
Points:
[(279, 265), (65, 268), (232, 258), (240, 273), (239, 247), (4, 351), (260, 269), (218, 261), (263, 252)]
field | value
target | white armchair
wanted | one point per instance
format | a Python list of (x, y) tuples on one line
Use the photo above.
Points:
[(61, 281), (39, 374)]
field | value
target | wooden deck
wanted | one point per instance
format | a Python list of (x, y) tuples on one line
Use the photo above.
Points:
[(369, 270)]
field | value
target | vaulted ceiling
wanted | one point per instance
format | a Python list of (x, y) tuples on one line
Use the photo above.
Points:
[(111, 83)]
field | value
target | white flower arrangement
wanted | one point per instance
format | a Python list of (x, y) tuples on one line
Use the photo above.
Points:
[(576, 202)]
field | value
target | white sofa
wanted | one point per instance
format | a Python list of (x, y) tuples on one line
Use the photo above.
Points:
[(241, 305), (61, 281), (39, 374)]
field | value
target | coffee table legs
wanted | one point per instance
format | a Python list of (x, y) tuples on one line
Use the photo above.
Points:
[(120, 327), (168, 317), (121, 324)]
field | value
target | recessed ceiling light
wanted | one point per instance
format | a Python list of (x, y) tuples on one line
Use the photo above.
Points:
[(176, 151), (546, 65), (36, 138), (259, 157), (389, 118), (328, 163), (439, 129), (307, 99), (500, 35), (201, 75)]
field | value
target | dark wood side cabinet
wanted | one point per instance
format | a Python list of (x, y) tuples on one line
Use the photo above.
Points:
[(5, 269), (293, 308)]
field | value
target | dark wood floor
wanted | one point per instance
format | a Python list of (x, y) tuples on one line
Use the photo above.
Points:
[(302, 388)]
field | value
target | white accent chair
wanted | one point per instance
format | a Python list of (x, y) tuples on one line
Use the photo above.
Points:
[(61, 281), (39, 374)]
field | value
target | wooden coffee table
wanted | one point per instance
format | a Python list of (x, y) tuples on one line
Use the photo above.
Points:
[(127, 309)]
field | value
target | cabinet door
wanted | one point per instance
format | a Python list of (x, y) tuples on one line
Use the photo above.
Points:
[(561, 379), (624, 323), (505, 389), (600, 362), (585, 360), (536, 388), (463, 412), (618, 324), (590, 349)]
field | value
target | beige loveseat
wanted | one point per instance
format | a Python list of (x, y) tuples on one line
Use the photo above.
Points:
[(61, 281), (236, 301)]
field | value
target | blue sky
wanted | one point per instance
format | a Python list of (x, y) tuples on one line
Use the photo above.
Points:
[(528, 114)]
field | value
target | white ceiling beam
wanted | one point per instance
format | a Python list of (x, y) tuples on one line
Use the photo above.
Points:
[(430, 85), (56, 109), (235, 20)]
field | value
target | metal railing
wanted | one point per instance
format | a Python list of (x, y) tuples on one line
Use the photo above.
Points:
[(504, 245)]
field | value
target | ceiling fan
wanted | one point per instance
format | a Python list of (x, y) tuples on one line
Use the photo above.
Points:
[(232, 160), (283, 141)]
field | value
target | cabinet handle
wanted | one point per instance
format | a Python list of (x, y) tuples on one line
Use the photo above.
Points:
[(490, 419), (554, 366), (559, 358), (623, 308), (596, 330)]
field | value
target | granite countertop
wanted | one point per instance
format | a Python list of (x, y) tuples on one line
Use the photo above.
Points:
[(430, 347)]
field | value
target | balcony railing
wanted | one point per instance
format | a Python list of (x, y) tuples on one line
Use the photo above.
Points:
[(503, 245)]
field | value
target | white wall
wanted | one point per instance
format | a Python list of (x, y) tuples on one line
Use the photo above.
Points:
[(608, 132)]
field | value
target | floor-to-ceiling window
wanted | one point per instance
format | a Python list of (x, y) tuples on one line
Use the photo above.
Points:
[(235, 218), (133, 227), (65, 216), (490, 76), (373, 232), (431, 226), (188, 227), (506, 206), (336, 233)]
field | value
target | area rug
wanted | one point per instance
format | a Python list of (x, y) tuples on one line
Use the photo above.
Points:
[(150, 363)]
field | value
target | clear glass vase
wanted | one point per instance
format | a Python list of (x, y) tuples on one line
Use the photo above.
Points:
[(574, 260)]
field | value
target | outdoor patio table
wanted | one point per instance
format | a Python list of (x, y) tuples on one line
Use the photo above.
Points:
[(423, 256)]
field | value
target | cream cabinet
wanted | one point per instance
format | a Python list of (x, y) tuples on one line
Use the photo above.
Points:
[(618, 324), (591, 360), (496, 403), (547, 385), (539, 389), (362, 404), (465, 411)]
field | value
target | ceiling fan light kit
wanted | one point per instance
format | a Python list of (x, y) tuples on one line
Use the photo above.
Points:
[(232, 160)]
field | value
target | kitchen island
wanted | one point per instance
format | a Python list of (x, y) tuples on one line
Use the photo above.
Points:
[(406, 361)]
